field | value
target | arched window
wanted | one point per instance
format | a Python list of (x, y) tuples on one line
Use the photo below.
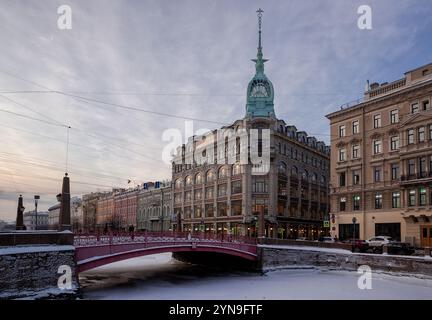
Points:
[(199, 178), (209, 176), (314, 177), (236, 169), (188, 181), (222, 172), (305, 174), (323, 179), (294, 171), (282, 168), (178, 184)]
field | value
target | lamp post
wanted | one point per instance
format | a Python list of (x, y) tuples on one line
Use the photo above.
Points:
[(36, 199), (354, 220)]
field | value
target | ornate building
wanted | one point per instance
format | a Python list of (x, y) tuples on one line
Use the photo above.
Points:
[(381, 171), (288, 191), (154, 207)]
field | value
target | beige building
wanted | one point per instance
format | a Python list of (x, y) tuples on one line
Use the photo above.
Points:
[(381, 168), (154, 207)]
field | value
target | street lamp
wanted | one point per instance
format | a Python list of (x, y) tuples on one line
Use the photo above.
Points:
[(354, 220), (36, 199)]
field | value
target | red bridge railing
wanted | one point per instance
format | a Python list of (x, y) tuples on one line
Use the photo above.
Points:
[(94, 245)]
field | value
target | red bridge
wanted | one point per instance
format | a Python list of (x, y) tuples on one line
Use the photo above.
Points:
[(96, 250)]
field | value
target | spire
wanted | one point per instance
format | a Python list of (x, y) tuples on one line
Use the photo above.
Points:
[(259, 61)]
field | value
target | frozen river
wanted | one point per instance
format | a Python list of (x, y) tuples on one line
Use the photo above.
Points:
[(161, 277)]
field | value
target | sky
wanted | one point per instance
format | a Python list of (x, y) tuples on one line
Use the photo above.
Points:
[(167, 60)]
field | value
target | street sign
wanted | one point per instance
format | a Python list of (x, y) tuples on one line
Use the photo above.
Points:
[(326, 224)]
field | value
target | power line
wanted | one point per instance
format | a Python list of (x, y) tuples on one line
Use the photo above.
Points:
[(91, 148), (78, 97)]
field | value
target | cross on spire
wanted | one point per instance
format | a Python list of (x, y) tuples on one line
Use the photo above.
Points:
[(259, 61)]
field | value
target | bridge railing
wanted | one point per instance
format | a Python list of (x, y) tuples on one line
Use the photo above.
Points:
[(91, 239)]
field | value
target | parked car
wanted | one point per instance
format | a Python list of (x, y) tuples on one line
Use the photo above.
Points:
[(358, 245), (401, 248), (376, 243), (326, 239)]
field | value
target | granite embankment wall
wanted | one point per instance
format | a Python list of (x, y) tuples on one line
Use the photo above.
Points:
[(282, 256), (31, 264)]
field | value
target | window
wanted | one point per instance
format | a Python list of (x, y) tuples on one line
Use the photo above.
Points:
[(377, 174), (430, 132), (394, 171), (425, 104), (394, 143), (178, 184), (422, 196), (410, 136), (188, 196), (342, 204), (377, 146), (198, 178), (414, 108), (356, 151), (394, 116), (209, 176), (411, 167), (198, 194), (236, 187), (412, 198), (342, 155), (260, 186), (356, 202), (342, 179), (222, 189), (378, 201), (209, 193), (222, 172), (236, 169), (355, 127), (377, 120), (188, 181), (422, 167), (342, 131), (356, 177), (395, 199), (421, 134)]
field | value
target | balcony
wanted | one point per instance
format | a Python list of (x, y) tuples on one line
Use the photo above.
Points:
[(417, 177)]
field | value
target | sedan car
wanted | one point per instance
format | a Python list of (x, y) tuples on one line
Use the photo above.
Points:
[(400, 248)]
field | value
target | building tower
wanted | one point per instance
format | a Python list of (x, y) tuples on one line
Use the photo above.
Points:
[(260, 93)]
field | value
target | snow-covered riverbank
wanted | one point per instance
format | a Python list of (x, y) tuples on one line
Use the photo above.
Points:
[(160, 277)]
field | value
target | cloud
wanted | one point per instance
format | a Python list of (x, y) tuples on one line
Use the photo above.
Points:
[(189, 58)]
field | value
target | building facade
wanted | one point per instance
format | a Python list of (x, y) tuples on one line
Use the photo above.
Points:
[(125, 209), (77, 216), (36, 222), (89, 208), (105, 212), (154, 207), (290, 190), (381, 168)]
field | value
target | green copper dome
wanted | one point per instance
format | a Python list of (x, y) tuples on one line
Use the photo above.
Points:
[(260, 93)]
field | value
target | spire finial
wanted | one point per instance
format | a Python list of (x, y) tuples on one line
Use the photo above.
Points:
[(259, 61), (259, 13)]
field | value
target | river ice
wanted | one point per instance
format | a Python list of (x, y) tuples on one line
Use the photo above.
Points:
[(161, 277)]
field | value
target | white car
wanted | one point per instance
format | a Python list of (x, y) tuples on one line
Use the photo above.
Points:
[(328, 239), (379, 241)]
